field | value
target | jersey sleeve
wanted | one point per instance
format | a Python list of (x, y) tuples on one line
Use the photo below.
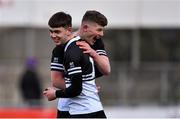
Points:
[(57, 59), (99, 47), (72, 63)]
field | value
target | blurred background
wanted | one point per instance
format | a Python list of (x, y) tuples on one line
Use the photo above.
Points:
[(142, 40)]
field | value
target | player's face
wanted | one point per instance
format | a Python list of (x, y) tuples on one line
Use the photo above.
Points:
[(94, 32), (59, 35)]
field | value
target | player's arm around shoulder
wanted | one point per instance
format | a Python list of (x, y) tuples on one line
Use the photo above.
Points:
[(102, 61)]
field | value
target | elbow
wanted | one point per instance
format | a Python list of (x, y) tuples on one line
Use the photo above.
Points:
[(60, 86), (55, 85), (107, 72)]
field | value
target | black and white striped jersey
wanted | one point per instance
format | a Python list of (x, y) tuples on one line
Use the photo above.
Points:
[(58, 54), (80, 80), (57, 65)]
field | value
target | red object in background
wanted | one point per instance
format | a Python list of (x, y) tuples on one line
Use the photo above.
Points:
[(27, 113)]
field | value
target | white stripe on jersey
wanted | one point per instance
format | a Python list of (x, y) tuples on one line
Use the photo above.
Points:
[(54, 67), (75, 72), (75, 68), (67, 80), (101, 52), (87, 75), (57, 64), (72, 40)]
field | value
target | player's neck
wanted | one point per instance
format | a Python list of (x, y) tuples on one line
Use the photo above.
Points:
[(80, 33), (69, 38)]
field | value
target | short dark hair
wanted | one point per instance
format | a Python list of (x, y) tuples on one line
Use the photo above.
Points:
[(95, 16), (60, 19)]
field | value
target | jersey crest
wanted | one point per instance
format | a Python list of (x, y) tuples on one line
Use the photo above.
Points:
[(55, 60), (71, 65)]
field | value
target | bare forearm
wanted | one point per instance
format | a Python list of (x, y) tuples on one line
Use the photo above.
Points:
[(58, 84), (57, 79), (102, 63)]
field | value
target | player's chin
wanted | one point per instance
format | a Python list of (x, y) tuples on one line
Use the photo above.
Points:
[(91, 43), (57, 43)]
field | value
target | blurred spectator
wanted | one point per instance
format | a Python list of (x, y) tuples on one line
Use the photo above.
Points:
[(30, 85)]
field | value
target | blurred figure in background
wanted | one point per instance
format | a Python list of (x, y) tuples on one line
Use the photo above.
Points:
[(30, 85)]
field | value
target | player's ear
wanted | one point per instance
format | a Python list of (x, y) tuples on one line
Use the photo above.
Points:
[(69, 29), (85, 27)]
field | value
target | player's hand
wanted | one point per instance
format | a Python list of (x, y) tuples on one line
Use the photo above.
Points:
[(86, 48), (50, 93)]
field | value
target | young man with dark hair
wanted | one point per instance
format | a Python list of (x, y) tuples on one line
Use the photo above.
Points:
[(77, 77), (56, 23)]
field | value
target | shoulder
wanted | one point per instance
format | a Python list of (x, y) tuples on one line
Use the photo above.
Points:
[(73, 50), (99, 47), (98, 44), (57, 54), (73, 55)]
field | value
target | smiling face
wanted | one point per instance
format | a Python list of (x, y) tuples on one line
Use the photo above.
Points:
[(59, 35), (92, 32)]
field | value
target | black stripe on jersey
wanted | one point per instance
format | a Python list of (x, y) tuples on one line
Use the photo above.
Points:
[(74, 70), (101, 52), (57, 66)]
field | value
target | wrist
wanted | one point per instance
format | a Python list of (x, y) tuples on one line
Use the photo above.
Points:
[(58, 93), (94, 54)]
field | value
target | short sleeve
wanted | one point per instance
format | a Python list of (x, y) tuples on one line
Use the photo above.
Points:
[(57, 59), (99, 47)]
